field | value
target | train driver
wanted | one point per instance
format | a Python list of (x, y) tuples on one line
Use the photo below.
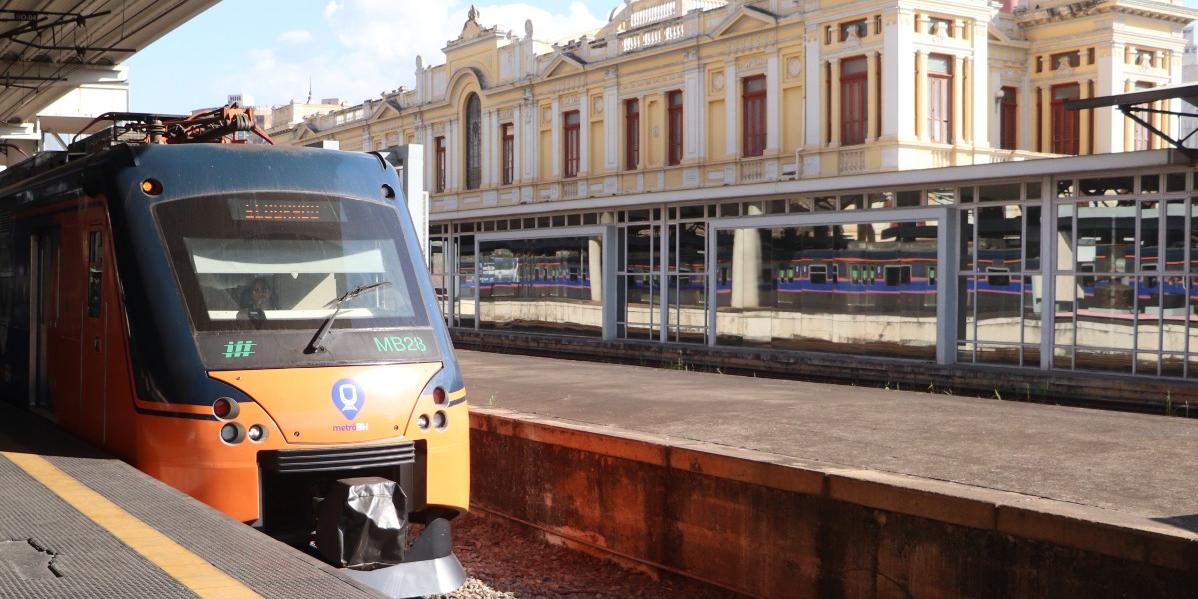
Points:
[(256, 299)]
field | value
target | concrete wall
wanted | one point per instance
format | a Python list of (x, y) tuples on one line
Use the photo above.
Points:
[(770, 526)]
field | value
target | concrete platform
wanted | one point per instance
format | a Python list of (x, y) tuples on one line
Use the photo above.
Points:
[(75, 522), (781, 488)]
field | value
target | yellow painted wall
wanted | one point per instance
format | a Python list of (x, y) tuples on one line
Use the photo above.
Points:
[(716, 130)]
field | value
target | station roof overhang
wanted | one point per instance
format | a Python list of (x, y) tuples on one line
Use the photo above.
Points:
[(1138, 106), (49, 47), (905, 179)]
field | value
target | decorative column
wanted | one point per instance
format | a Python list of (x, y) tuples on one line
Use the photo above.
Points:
[(486, 145), (834, 102), (611, 123), (871, 94), (1083, 120), (1045, 107), (773, 97), (732, 124), (451, 155), (1108, 122), (901, 88), (556, 134), (981, 92), (517, 140), (1129, 127), (958, 93), (921, 93), (813, 91), (694, 114), (967, 102), (584, 133)]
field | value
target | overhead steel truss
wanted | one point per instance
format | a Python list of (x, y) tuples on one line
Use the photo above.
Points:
[(1138, 105)]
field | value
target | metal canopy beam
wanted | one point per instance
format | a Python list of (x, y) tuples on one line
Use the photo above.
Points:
[(1169, 92), (1134, 106)]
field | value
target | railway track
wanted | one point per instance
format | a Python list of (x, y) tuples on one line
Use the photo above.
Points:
[(505, 559)]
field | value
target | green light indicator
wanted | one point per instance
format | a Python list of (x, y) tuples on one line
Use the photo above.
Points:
[(239, 349)]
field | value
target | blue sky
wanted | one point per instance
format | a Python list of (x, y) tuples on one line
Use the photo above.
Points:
[(350, 49)]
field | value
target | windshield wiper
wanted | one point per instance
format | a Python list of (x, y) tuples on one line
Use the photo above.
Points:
[(314, 345)]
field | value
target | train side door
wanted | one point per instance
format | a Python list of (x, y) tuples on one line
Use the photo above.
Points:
[(94, 346), (44, 313)]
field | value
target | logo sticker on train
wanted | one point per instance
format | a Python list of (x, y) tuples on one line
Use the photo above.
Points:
[(348, 397)]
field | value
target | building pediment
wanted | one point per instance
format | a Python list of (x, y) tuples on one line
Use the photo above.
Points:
[(564, 64), (745, 19)]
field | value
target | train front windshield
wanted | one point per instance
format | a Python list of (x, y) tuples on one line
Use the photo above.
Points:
[(276, 267)]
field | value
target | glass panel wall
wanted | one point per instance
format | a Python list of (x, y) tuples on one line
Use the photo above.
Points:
[(1122, 255), (866, 288), (638, 280), (686, 286), (465, 283), (1000, 285), (551, 285)]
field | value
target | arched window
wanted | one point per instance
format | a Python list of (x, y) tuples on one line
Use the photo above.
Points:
[(474, 129)]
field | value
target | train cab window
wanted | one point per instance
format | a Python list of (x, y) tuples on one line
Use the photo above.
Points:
[(95, 272), (818, 274), (258, 262)]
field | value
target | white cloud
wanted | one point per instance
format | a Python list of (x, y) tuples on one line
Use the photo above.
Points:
[(298, 36), (369, 46)]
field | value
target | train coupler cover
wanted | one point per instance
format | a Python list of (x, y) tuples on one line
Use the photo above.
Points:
[(362, 523)]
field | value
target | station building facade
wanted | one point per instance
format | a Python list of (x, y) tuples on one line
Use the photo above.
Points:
[(887, 178)]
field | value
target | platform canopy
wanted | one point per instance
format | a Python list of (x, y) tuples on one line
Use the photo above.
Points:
[(50, 47), (1138, 106)]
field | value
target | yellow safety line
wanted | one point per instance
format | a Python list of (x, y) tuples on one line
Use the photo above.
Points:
[(192, 571)]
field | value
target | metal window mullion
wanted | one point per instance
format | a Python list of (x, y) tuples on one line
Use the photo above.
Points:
[(712, 267), (664, 280), (1048, 275), (1162, 257), (1186, 282), (1136, 270), (975, 266), (477, 284)]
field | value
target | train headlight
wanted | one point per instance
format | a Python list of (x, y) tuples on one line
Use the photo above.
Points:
[(439, 396), (440, 420), (422, 422), (232, 432), (225, 408), (256, 433)]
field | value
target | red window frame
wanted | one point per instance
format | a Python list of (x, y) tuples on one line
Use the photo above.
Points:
[(508, 150), (439, 164), (632, 134), (753, 94), (571, 137), (1066, 124), (674, 104), (940, 100), (1008, 118), (854, 100)]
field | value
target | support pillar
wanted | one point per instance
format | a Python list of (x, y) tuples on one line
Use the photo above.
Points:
[(746, 266)]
